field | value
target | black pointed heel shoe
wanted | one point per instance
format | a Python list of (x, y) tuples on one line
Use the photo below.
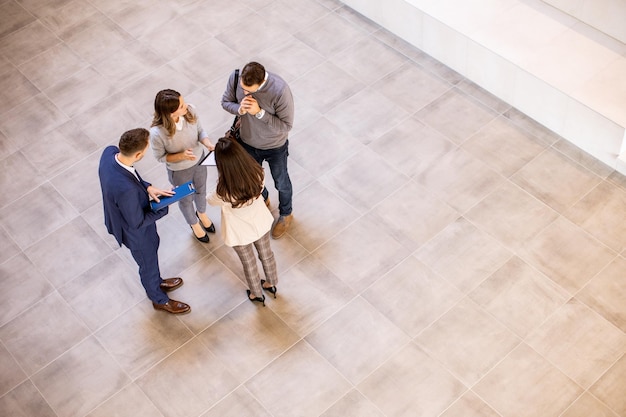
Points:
[(203, 239), (210, 229), (271, 290), (257, 299)]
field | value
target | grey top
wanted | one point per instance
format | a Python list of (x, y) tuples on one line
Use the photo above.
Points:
[(272, 130), (188, 137)]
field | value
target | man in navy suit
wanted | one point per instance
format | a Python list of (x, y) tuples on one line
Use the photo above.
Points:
[(128, 217)]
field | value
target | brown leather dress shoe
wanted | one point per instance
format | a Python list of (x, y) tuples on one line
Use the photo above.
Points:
[(170, 284), (281, 226), (173, 307)]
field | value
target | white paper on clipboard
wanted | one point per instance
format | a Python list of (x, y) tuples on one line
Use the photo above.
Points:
[(209, 159)]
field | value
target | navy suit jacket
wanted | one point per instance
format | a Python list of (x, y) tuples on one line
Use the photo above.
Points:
[(127, 213)]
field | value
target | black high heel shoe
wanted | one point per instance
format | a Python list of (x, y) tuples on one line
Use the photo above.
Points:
[(203, 239), (210, 229), (271, 289), (260, 299)]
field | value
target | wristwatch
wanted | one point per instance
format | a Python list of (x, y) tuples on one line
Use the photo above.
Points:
[(260, 114)]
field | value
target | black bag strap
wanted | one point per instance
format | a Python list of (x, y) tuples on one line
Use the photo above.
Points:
[(236, 82)]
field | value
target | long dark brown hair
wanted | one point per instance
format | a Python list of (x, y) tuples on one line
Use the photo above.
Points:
[(240, 177), (167, 102)]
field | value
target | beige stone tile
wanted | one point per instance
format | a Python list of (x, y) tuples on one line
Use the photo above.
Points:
[(331, 34), (325, 86), (299, 372), (245, 46), (483, 96), (583, 158), (457, 115), (15, 17), (30, 40), (412, 296), (367, 115), (207, 62), (24, 178), (470, 405), (459, 179), (411, 145), (601, 213), (82, 191), (582, 344), (320, 152), (320, 216), (68, 252), (236, 404), (511, 216), (97, 39), (80, 379), (356, 258), (42, 333), (290, 59), (12, 375), (129, 64), (25, 401), (413, 215), (103, 292), (411, 383), (363, 180), (353, 403), (141, 17), (30, 218), (292, 15), (467, 341), (611, 386), (23, 285), (248, 338), (129, 402), (525, 384), (211, 290), (70, 17), (357, 339), (308, 294), (606, 293), (368, 59), (519, 296), (567, 254), (588, 406), (532, 126), (463, 254), (411, 87), (142, 337), (503, 146), (18, 89), (81, 91), (52, 66), (201, 381), (556, 180)]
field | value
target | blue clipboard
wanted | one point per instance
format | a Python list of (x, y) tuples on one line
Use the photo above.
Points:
[(181, 191)]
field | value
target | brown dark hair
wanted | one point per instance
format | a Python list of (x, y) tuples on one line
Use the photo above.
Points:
[(240, 177), (133, 141), (167, 102), (252, 73)]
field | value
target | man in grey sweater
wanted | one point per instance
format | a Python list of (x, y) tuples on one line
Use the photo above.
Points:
[(264, 104)]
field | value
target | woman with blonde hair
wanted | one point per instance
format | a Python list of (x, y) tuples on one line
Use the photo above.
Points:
[(178, 140), (246, 220)]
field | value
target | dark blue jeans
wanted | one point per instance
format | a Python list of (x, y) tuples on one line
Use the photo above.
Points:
[(277, 160)]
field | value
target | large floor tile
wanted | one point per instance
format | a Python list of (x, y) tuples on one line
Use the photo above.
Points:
[(238, 403), (19, 89), (80, 379), (463, 254), (412, 296), (357, 339), (53, 66), (610, 387), (129, 402), (15, 18), (21, 181), (308, 383), (201, 381), (28, 41), (511, 216), (526, 384), (588, 406), (248, 338), (12, 375), (468, 341), (470, 405), (411, 383), (567, 254), (42, 333), (579, 342), (331, 34), (353, 403), (25, 401), (519, 296)]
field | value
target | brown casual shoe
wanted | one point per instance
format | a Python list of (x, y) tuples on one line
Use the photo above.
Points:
[(173, 307), (281, 226), (170, 284), (267, 202)]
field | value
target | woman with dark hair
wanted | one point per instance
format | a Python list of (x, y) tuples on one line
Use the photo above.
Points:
[(246, 220), (178, 140)]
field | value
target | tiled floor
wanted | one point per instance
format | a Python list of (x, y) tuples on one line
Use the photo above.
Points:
[(449, 256)]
